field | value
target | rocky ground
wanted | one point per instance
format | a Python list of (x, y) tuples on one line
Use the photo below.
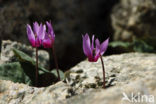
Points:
[(7, 54), (129, 73), (135, 19)]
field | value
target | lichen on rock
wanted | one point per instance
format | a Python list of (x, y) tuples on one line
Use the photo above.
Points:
[(128, 73)]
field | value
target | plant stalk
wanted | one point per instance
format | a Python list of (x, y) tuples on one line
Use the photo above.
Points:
[(103, 68), (36, 80), (56, 64)]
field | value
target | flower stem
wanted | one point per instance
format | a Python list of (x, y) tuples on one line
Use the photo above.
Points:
[(103, 68), (56, 64), (36, 80)]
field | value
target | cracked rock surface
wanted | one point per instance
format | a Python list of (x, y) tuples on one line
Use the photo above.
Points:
[(11, 93), (129, 73)]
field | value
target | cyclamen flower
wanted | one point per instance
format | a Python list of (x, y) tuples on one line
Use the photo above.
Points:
[(48, 42), (49, 37), (36, 35), (94, 52)]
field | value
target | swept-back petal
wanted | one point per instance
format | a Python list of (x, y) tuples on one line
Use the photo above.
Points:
[(46, 36), (30, 35), (92, 48), (104, 46), (36, 28), (95, 52), (86, 45), (42, 32), (49, 26), (50, 29), (97, 43)]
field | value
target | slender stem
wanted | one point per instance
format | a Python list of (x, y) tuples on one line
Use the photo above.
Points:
[(103, 68), (36, 81), (56, 64)]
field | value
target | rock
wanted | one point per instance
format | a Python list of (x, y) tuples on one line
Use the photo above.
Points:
[(136, 92), (132, 73), (22, 94), (129, 74), (135, 19), (7, 54)]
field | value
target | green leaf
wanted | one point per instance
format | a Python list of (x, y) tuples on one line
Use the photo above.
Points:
[(14, 72), (119, 44), (28, 65), (27, 59), (141, 46), (54, 71), (22, 56)]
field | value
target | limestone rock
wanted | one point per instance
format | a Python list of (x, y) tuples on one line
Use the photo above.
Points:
[(129, 74), (135, 19), (132, 73), (11, 93), (7, 54), (137, 92)]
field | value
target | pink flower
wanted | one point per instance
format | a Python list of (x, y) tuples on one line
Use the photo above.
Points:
[(36, 35), (49, 37), (94, 52)]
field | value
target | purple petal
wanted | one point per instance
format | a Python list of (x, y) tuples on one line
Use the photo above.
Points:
[(31, 36), (104, 46), (36, 28), (92, 43), (47, 43), (97, 54), (42, 32), (86, 45), (93, 59), (46, 36), (38, 42), (50, 29), (97, 42), (49, 25)]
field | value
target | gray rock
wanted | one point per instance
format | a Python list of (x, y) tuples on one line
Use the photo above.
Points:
[(22, 94), (7, 54), (143, 91), (131, 73), (120, 70), (135, 19)]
